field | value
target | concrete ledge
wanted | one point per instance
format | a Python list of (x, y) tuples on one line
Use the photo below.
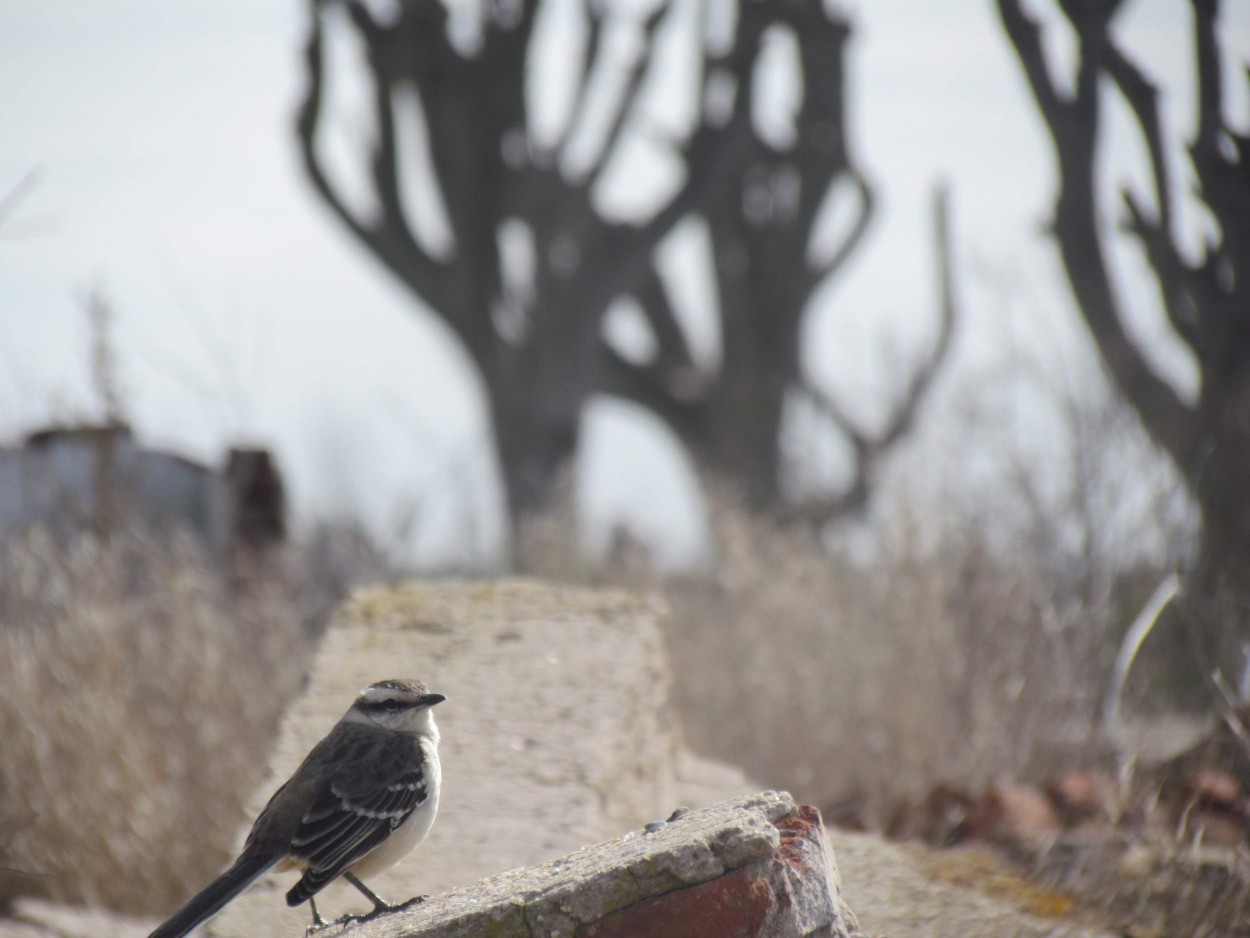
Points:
[(557, 730), (755, 867)]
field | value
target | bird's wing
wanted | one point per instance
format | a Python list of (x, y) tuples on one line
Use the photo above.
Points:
[(355, 813)]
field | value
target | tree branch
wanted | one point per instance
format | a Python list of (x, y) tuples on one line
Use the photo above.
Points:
[(868, 448), (712, 167), (948, 314), (1073, 131), (629, 96), (392, 244), (1224, 184), (646, 386), (1176, 285), (595, 19), (1026, 35), (1210, 86), (863, 218), (1143, 99), (672, 349), (714, 156), (1154, 230), (10, 201)]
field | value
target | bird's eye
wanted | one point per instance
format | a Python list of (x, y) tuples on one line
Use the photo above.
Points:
[(391, 706)]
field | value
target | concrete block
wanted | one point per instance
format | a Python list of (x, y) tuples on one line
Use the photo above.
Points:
[(754, 867), (557, 731)]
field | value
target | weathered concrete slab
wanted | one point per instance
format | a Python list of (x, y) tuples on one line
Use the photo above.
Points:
[(755, 867), (557, 731)]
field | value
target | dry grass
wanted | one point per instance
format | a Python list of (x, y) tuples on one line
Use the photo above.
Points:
[(965, 631), (137, 696), (875, 680), (970, 641)]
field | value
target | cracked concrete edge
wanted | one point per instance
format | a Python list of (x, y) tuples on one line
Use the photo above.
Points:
[(809, 881), (557, 898)]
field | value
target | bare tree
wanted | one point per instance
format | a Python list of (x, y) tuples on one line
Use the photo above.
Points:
[(538, 339), (1207, 300)]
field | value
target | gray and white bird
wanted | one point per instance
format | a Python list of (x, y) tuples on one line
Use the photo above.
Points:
[(361, 801)]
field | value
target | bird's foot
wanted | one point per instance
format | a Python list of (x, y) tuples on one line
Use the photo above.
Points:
[(382, 906), (318, 922), (339, 922)]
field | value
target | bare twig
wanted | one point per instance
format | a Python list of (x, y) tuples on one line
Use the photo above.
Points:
[(1159, 600), (15, 196)]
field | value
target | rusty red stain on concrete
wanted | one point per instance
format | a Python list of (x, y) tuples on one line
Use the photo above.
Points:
[(803, 825), (735, 905)]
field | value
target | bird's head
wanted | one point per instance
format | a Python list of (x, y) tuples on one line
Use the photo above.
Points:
[(400, 704)]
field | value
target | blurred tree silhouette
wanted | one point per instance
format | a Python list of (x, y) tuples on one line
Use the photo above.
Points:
[(533, 264), (1207, 299)]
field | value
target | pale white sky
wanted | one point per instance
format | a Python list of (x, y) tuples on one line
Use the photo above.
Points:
[(167, 175)]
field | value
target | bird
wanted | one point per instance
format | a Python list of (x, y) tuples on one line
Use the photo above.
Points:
[(361, 801)]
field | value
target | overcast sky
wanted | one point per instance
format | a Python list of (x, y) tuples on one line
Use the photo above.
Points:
[(166, 176)]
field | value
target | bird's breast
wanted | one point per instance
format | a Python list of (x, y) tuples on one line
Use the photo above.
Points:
[(412, 831)]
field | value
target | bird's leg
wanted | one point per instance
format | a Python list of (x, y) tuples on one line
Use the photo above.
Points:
[(379, 904), (317, 922)]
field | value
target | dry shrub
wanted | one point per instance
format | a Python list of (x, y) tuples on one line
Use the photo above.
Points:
[(138, 695), (964, 630), (835, 678), (957, 643)]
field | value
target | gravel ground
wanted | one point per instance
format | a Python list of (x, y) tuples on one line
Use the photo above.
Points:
[(908, 891)]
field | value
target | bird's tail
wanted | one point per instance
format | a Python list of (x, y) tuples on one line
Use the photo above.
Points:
[(210, 900)]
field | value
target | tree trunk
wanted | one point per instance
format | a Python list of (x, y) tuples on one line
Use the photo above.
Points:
[(1207, 302)]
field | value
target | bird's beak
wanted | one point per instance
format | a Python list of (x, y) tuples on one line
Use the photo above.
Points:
[(430, 700)]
